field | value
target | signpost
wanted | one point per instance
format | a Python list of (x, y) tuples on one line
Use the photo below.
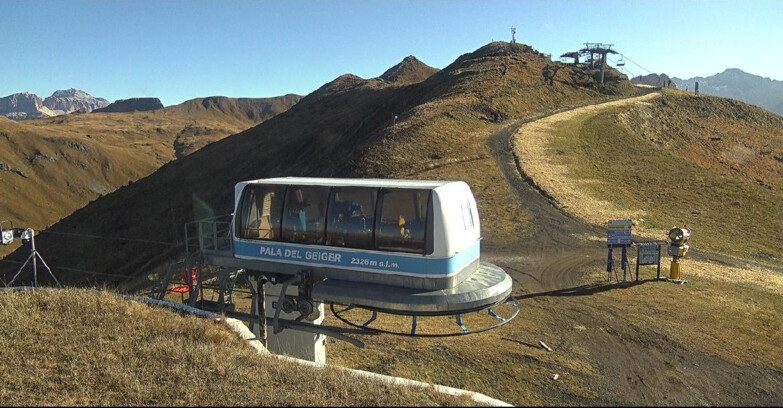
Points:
[(619, 235), (648, 254)]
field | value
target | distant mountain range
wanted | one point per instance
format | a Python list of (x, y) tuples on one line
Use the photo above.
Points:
[(737, 84), (732, 83), (25, 105)]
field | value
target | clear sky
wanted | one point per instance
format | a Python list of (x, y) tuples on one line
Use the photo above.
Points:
[(178, 50)]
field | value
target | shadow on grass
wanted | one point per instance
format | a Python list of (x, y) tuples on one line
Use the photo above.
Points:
[(587, 290)]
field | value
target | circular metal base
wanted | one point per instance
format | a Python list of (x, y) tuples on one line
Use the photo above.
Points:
[(460, 328), (487, 286)]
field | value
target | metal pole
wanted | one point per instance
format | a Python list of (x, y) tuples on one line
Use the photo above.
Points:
[(19, 271), (221, 290), (49, 269), (35, 261), (262, 311), (625, 262), (164, 286), (254, 327), (638, 249)]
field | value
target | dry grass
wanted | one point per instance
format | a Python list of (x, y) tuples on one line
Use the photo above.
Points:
[(76, 347), (674, 160), (714, 341)]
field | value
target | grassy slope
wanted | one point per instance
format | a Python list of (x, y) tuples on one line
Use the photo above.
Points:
[(60, 164), (711, 163), (83, 348), (344, 129)]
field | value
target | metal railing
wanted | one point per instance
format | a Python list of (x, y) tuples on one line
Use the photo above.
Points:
[(209, 235)]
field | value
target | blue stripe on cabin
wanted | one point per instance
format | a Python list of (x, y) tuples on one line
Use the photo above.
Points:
[(355, 259)]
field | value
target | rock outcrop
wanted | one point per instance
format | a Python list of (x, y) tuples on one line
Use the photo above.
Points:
[(661, 81), (132, 105), (73, 100), (25, 105)]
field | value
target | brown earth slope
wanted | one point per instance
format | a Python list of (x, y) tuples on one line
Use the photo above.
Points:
[(345, 129), (51, 167)]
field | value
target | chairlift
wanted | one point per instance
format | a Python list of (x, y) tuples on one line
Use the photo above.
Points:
[(621, 62), (373, 247)]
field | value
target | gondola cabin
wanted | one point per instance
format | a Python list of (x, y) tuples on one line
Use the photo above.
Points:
[(414, 234)]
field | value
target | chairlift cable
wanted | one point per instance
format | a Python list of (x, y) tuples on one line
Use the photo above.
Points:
[(633, 62), (149, 241), (70, 269)]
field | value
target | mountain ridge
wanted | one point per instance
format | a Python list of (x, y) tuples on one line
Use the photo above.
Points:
[(346, 128), (62, 163), (26, 105), (737, 84)]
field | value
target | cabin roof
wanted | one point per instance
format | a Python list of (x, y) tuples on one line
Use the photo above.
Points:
[(318, 181)]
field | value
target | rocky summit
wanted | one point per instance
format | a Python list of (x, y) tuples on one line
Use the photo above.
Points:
[(24, 105), (73, 100)]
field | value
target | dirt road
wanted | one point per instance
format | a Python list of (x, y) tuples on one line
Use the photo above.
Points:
[(562, 244)]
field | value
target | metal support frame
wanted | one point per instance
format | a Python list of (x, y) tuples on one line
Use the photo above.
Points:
[(372, 319), (34, 256), (623, 262), (207, 249), (283, 293), (339, 314), (258, 307), (462, 325)]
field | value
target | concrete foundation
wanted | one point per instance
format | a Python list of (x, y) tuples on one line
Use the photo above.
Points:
[(293, 343)]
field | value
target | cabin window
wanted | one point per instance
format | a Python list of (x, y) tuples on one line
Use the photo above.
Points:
[(262, 206), (351, 217), (467, 216), (304, 216), (403, 220)]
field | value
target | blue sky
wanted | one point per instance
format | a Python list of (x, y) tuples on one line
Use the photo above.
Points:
[(178, 50)]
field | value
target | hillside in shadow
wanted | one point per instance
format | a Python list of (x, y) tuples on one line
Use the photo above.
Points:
[(346, 128)]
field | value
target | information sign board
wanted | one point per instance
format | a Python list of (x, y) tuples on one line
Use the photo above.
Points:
[(620, 232), (649, 254)]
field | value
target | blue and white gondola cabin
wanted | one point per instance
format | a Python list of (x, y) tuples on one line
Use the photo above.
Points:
[(414, 234)]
